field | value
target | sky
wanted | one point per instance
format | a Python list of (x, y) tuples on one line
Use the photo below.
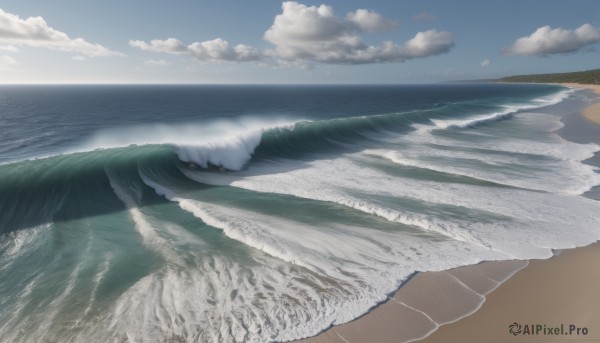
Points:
[(298, 42)]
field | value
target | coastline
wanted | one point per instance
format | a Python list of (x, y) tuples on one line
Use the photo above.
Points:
[(559, 290), (551, 292), (591, 113)]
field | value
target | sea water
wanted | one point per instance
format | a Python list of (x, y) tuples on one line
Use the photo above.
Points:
[(269, 213)]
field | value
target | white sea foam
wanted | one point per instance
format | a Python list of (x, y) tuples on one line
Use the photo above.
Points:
[(287, 278), (97, 280), (481, 221), (515, 217), (227, 143), (463, 123), (536, 159), (345, 270), (551, 175), (56, 303), (507, 110), (12, 244), (150, 235), (528, 224)]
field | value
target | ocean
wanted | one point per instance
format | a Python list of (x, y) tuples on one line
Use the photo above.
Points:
[(269, 213)]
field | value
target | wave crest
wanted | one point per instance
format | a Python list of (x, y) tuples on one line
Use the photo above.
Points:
[(225, 143)]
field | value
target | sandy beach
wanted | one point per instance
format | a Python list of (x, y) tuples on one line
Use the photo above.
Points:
[(559, 291), (553, 300), (591, 113)]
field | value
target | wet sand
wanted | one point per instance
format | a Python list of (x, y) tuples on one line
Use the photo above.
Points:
[(425, 302), (592, 113), (561, 290)]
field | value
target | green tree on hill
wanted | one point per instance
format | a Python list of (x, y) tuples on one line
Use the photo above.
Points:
[(585, 77)]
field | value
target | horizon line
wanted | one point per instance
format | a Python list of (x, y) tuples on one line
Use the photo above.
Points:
[(234, 83)]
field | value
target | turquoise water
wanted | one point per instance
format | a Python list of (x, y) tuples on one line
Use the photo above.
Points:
[(253, 214)]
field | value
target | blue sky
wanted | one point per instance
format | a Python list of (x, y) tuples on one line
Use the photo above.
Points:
[(185, 41)]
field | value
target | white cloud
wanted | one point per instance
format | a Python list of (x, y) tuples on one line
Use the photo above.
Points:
[(6, 62), (304, 34), (9, 48), (171, 46), (428, 43), (217, 50), (424, 17), (79, 58), (547, 41), (370, 21), (485, 63), (156, 63), (35, 32), (316, 34)]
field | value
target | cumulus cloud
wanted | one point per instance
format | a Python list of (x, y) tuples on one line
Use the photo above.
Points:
[(547, 41), (171, 46), (217, 50), (370, 21), (304, 34), (35, 32), (485, 63), (312, 33)]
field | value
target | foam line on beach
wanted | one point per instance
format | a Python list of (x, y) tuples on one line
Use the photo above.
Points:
[(507, 110), (425, 297)]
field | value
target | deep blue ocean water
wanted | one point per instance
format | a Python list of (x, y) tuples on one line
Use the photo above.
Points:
[(268, 213)]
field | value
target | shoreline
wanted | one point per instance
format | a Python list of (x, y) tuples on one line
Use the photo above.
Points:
[(537, 296), (592, 112), (425, 303), (529, 293)]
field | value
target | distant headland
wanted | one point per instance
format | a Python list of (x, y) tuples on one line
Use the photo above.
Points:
[(583, 77)]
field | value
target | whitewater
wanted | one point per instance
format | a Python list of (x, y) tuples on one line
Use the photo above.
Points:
[(269, 213)]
